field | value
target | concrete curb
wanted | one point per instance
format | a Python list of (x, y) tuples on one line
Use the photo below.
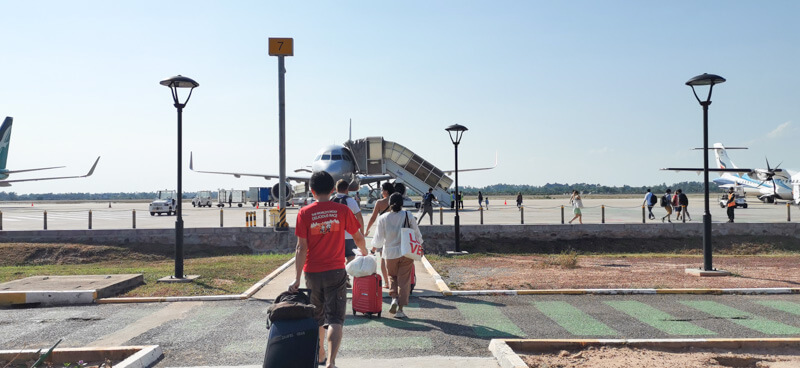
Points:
[(505, 356), (436, 277), (731, 291), (47, 297), (140, 356), (245, 295), (545, 345), (504, 350)]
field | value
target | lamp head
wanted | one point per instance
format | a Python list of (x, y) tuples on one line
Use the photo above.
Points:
[(705, 79), (456, 131), (180, 81)]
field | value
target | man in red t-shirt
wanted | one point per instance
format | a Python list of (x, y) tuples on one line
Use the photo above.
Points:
[(320, 253)]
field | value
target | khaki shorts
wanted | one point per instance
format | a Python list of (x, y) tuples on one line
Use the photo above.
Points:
[(328, 295)]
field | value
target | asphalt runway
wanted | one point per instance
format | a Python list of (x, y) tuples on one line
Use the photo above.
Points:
[(120, 215)]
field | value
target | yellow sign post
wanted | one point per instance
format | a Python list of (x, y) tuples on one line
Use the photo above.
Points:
[(281, 47)]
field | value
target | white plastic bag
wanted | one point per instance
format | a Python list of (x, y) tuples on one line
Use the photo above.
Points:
[(362, 266)]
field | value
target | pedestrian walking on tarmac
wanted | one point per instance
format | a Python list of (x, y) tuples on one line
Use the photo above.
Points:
[(480, 199), (320, 254), (453, 199), (731, 204), (427, 205), (683, 202), (519, 199), (461, 200), (400, 268), (577, 204), (666, 202), (650, 200)]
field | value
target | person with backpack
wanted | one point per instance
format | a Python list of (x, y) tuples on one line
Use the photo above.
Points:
[(676, 206), (342, 187), (381, 206), (319, 253), (650, 200), (683, 202), (427, 205), (666, 202)]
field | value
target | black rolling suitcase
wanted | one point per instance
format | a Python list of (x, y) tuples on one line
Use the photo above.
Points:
[(292, 343)]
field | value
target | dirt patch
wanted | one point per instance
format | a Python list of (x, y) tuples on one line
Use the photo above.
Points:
[(723, 244), (514, 272), (19, 254), (624, 357)]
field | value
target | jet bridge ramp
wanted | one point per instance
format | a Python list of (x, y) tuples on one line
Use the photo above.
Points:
[(376, 156)]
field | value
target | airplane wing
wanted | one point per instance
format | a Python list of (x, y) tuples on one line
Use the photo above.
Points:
[(300, 178), (710, 169), (26, 170), (450, 172), (7, 183)]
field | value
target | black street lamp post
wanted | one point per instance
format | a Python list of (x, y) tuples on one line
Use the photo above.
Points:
[(174, 83), (705, 80), (456, 131)]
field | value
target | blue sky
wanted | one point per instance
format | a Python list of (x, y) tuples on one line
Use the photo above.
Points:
[(563, 91)]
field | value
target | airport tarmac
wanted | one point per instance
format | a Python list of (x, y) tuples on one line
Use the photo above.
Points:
[(121, 215)]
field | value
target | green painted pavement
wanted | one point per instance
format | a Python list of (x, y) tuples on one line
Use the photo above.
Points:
[(743, 318), (573, 319), (488, 320), (784, 306), (387, 319), (658, 319)]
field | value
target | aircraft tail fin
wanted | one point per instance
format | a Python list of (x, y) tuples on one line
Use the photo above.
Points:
[(5, 138), (723, 161)]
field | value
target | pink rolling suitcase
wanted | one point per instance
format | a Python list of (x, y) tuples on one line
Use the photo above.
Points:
[(368, 295)]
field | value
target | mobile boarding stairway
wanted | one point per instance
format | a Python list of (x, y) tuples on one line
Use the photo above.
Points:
[(376, 156)]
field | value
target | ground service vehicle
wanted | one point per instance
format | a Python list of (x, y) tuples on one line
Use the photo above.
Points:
[(259, 194), (739, 198), (202, 199), (164, 203), (231, 197)]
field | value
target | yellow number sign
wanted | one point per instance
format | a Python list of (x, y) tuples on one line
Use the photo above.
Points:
[(281, 47)]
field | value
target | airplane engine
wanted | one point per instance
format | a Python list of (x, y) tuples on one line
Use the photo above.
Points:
[(275, 192)]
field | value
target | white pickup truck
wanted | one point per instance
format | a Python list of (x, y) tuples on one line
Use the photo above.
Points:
[(164, 203)]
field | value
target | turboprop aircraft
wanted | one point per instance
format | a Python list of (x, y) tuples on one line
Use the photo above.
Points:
[(5, 139), (773, 183)]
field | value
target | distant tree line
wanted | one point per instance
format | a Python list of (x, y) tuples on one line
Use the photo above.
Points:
[(12, 196), (584, 188), (496, 189)]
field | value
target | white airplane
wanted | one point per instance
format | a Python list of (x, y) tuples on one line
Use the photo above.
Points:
[(335, 159), (5, 139), (773, 183)]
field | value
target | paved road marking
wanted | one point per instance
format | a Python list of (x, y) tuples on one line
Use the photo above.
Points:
[(488, 320), (387, 319), (573, 319), (146, 323), (781, 305), (658, 319), (743, 318), (396, 343)]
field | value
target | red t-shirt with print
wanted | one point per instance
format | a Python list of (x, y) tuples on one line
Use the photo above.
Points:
[(323, 224)]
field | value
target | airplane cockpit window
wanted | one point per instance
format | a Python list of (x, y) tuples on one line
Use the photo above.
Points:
[(317, 158), (326, 157), (337, 157)]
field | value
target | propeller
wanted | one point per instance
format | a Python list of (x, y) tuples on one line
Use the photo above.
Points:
[(769, 174)]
